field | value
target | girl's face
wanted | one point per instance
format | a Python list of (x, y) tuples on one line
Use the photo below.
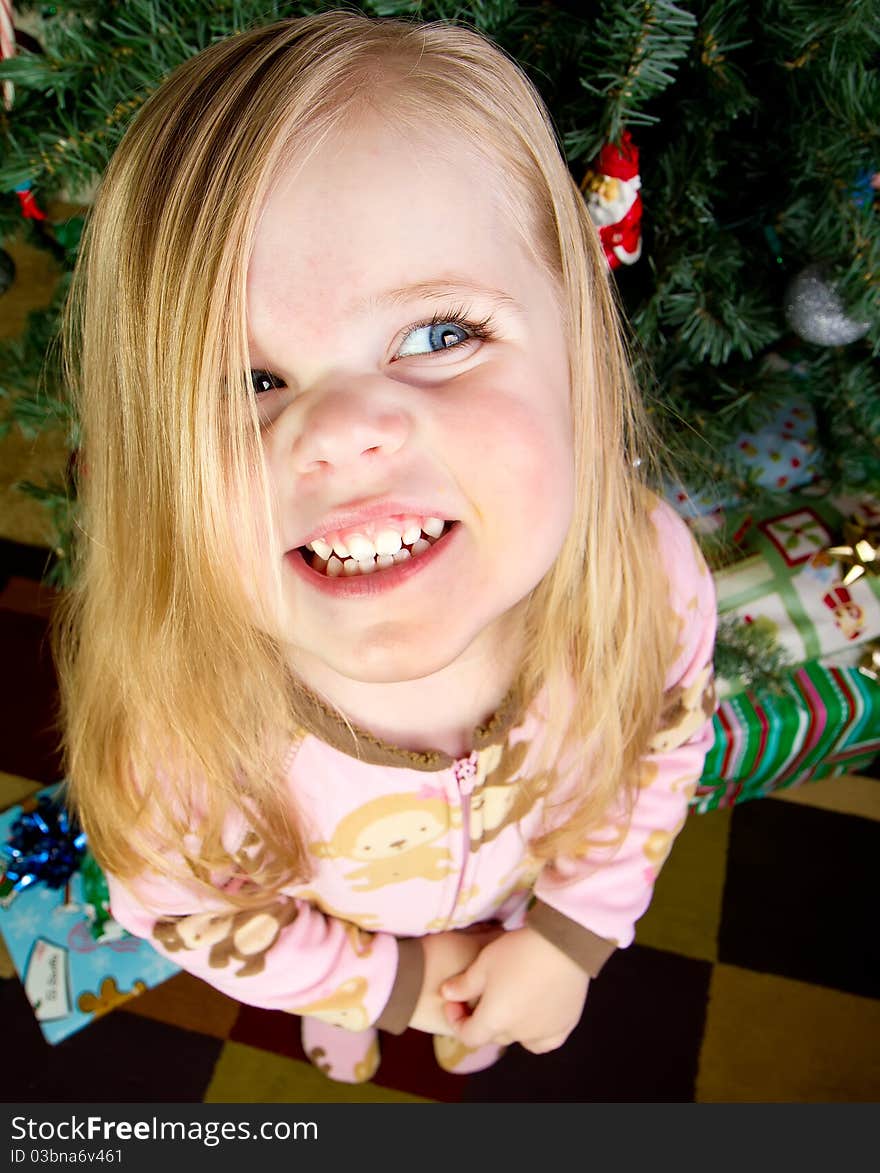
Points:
[(410, 364)]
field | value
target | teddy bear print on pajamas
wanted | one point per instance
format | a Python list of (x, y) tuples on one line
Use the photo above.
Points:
[(404, 843)]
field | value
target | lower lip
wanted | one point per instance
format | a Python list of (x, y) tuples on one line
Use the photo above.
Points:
[(359, 586)]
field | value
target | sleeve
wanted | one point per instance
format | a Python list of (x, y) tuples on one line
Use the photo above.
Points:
[(588, 907), (284, 955)]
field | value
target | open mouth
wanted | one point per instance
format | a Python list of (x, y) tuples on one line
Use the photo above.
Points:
[(375, 550)]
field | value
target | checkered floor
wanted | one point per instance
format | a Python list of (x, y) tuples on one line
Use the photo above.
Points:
[(754, 977)]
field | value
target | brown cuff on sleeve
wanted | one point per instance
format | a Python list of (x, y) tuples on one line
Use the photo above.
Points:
[(586, 949), (407, 986)]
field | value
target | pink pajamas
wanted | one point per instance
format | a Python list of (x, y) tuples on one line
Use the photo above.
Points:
[(405, 844)]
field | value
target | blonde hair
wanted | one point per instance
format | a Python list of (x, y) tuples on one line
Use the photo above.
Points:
[(177, 704)]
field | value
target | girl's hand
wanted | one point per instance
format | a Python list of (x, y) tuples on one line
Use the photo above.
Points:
[(526, 991), (446, 954)]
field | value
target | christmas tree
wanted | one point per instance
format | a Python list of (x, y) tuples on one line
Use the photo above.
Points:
[(729, 151)]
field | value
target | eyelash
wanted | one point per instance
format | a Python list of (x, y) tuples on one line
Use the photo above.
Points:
[(483, 331)]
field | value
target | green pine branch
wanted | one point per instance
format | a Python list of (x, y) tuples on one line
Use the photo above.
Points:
[(750, 654)]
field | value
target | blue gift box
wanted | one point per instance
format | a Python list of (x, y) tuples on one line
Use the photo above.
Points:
[(75, 962), (782, 455)]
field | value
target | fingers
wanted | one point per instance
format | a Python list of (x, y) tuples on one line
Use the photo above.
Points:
[(542, 1046), (472, 1033), (455, 1012), (480, 1024), (464, 987)]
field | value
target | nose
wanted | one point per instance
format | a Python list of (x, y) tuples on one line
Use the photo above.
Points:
[(346, 426)]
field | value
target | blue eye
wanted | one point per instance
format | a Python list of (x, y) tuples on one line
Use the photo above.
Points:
[(263, 381), (444, 332), (434, 336)]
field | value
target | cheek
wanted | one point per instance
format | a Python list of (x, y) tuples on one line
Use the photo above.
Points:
[(519, 446)]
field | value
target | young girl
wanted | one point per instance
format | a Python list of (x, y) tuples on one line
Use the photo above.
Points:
[(385, 680)]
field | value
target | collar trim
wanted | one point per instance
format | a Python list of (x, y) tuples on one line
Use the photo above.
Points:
[(328, 725)]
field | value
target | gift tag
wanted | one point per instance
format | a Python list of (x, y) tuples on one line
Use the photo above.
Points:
[(47, 981)]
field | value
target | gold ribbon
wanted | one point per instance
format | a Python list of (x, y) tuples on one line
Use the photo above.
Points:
[(869, 664), (861, 552)]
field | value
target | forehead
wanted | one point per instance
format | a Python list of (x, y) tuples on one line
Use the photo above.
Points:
[(374, 208)]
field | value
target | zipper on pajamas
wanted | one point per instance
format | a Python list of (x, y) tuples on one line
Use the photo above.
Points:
[(464, 771)]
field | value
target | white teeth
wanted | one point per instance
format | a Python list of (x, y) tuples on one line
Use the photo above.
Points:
[(387, 541), (322, 549), (358, 554), (360, 547), (351, 567)]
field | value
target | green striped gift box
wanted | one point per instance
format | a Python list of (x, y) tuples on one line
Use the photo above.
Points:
[(826, 721)]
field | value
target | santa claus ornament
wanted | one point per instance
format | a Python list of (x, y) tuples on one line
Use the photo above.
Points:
[(611, 188)]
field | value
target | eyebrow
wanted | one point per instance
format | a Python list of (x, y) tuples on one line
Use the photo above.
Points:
[(437, 290)]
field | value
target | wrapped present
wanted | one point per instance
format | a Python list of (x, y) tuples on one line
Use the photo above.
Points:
[(826, 721), (782, 456), (74, 960), (797, 582)]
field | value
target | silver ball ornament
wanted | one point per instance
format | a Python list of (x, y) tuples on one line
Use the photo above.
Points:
[(814, 311)]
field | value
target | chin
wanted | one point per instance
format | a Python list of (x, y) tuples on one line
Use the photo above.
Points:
[(392, 654), (397, 661)]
